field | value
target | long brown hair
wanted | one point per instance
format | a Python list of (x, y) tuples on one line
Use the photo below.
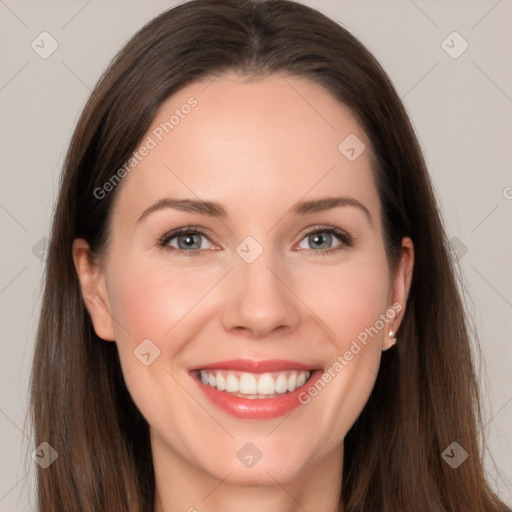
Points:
[(426, 394)]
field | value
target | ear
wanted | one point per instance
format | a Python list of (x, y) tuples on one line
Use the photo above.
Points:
[(94, 290), (401, 286)]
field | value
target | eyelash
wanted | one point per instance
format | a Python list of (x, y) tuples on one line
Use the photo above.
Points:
[(345, 239)]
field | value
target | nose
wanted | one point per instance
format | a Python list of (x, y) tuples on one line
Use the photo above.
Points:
[(260, 300)]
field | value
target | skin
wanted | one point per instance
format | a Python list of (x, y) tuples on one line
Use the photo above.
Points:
[(257, 147)]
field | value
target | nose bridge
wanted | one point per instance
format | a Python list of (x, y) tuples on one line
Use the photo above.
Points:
[(260, 300)]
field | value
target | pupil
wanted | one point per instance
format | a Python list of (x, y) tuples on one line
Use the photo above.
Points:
[(188, 240), (318, 239)]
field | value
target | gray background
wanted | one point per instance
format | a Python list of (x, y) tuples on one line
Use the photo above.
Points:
[(461, 108)]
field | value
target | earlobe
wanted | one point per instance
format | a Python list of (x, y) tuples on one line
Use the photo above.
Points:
[(401, 286), (94, 291)]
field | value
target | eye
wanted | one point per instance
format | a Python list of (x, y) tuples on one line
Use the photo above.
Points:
[(187, 239), (323, 237)]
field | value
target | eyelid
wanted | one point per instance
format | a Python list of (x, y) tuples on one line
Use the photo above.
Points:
[(325, 227)]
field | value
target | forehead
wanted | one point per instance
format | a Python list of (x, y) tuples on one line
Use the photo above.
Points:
[(269, 140)]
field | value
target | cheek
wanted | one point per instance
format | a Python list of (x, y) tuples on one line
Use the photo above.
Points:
[(150, 301), (151, 307), (351, 300), (348, 298), (160, 303), (363, 300)]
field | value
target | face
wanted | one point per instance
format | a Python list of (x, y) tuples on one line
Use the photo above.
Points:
[(246, 283)]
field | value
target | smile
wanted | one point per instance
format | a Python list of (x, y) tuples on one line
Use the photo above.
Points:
[(255, 389), (255, 385)]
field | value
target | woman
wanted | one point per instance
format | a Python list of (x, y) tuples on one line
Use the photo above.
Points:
[(249, 299)]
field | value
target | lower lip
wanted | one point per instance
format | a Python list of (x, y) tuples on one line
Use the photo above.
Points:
[(257, 408)]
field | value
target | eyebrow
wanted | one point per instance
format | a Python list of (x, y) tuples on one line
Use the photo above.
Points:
[(217, 210)]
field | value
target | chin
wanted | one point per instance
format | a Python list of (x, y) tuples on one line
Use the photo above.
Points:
[(248, 465)]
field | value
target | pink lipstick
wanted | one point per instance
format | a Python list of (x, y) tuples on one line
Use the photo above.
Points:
[(255, 389)]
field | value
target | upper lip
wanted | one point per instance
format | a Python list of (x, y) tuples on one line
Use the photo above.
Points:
[(250, 365)]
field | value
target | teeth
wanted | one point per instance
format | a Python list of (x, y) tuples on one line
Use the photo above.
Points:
[(292, 382), (254, 385), (266, 385), (248, 384), (232, 383), (221, 381), (281, 384)]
